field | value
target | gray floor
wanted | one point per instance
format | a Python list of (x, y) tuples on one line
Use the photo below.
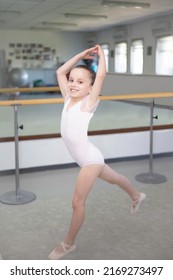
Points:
[(32, 230)]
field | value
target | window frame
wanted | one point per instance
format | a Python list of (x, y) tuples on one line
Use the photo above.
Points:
[(142, 67), (106, 55), (126, 66), (170, 59)]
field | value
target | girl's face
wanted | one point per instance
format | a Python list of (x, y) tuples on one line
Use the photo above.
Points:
[(79, 83)]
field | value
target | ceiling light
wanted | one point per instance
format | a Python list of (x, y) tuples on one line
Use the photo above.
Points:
[(6, 12), (89, 16), (125, 4), (61, 24)]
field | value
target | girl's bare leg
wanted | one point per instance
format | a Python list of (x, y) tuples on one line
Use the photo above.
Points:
[(85, 181), (111, 176)]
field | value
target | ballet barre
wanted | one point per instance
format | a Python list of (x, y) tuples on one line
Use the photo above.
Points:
[(41, 101), (18, 197), (28, 89)]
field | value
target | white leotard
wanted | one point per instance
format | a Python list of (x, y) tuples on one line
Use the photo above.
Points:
[(74, 127)]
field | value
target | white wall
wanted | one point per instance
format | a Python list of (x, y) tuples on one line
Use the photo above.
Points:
[(66, 45), (49, 152), (148, 30), (69, 43), (136, 84)]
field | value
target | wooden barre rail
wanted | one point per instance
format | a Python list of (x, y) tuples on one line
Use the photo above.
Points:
[(35, 89), (108, 98)]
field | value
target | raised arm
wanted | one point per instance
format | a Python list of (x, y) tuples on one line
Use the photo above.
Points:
[(64, 70), (100, 76)]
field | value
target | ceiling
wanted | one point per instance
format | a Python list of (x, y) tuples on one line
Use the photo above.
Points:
[(51, 14)]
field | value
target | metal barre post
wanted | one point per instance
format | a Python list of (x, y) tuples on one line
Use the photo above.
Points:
[(17, 197), (151, 178), (16, 148)]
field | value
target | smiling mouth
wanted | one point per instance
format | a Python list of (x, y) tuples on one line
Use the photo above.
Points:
[(73, 90)]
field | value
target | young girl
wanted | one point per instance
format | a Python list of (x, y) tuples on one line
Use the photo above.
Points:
[(80, 87)]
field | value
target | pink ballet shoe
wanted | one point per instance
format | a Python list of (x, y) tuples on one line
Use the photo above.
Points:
[(66, 249), (137, 203)]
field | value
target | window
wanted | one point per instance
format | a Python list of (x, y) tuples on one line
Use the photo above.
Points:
[(121, 57), (105, 48), (136, 57), (164, 55)]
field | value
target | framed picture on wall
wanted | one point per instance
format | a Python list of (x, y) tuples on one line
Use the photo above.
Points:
[(31, 51), (12, 45), (19, 45), (32, 45)]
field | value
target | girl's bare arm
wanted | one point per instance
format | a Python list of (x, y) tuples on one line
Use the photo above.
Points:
[(100, 76), (64, 70)]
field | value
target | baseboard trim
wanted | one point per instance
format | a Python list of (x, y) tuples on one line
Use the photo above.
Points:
[(72, 165)]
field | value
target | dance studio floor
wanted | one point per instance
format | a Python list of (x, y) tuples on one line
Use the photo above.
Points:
[(32, 230)]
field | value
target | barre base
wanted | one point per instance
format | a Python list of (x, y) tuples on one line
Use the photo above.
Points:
[(151, 178), (22, 198)]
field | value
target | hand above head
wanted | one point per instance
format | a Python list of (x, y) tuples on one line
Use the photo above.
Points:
[(89, 53), (96, 50), (99, 50)]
